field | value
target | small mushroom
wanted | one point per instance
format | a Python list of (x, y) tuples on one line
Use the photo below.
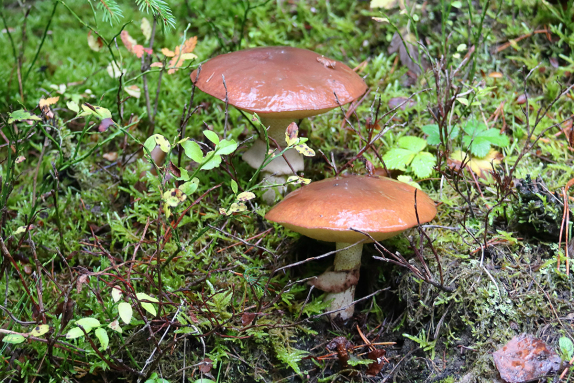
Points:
[(281, 85), (329, 210)]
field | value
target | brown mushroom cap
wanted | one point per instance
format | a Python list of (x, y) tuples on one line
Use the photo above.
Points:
[(292, 82), (328, 209)]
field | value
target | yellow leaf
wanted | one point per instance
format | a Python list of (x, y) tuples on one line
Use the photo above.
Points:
[(146, 29), (296, 180), (181, 54), (40, 330), (480, 166), (174, 197), (167, 52), (291, 134), (304, 150), (48, 101), (163, 143), (245, 196)]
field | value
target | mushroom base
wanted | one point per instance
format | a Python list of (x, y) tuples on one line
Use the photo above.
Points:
[(348, 260)]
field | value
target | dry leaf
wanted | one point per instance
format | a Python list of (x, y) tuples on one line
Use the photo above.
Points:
[(205, 366), (105, 124), (111, 156), (95, 42), (133, 90), (48, 101), (179, 56), (327, 63), (146, 29), (408, 58), (291, 134), (20, 159), (132, 45)]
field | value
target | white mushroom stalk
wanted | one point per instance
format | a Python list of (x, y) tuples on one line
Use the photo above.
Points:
[(347, 266)]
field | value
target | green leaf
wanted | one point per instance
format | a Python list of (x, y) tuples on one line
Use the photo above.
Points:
[(289, 356), (73, 106), (354, 361), (423, 164), (88, 323), (226, 147), (98, 111), (102, 337), (414, 144), (433, 133), (147, 306), (75, 332), (211, 136), (190, 187), (184, 175), (480, 147), (566, 347), (408, 180), (398, 158), (480, 138), (234, 187), (40, 330), (150, 144), (14, 338), (193, 151), (125, 311), (213, 162), (22, 115)]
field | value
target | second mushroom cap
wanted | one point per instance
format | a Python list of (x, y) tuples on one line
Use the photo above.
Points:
[(328, 210)]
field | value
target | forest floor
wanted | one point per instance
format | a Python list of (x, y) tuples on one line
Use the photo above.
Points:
[(106, 277)]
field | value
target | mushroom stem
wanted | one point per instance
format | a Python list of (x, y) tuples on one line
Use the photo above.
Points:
[(277, 169), (346, 260)]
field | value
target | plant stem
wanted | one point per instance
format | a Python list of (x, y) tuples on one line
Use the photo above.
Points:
[(345, 260)]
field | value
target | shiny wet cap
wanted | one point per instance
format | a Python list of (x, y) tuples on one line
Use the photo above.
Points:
[(327, 210), (291, 82)]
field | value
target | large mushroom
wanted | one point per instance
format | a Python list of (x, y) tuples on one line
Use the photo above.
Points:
[(282, 85), (329, 210)]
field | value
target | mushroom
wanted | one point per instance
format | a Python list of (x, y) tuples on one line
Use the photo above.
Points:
[(340, 210), (281, 85)]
